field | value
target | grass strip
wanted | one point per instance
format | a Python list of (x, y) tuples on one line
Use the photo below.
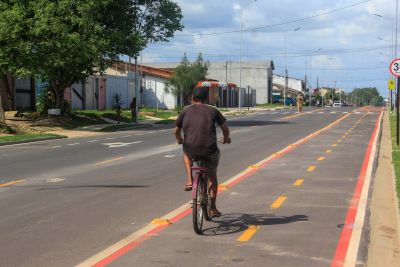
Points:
[(395, 152)]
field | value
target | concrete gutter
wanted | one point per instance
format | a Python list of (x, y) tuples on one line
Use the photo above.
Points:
[(384, 243)]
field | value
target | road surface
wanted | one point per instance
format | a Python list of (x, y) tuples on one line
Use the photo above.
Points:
[(291, 186)]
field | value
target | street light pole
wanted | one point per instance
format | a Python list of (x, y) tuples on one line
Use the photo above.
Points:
[(240, 57), (286, 77)]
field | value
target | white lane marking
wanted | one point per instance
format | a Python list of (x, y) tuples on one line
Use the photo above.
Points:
[(357, 112), (321, 112), (120, 144), (274, 113), (125, 136), (91, 141), (55, 146), (54, 180), (74, 144), (354, 244), (151, 132), (110, 138), (345, 112), (169, 156), (333, 112)]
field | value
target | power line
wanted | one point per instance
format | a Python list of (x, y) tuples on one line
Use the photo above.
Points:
[(277, 24)]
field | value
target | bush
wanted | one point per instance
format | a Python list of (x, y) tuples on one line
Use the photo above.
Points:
[(43, 102)]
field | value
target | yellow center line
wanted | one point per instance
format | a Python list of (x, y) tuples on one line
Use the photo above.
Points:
[(321, 158), (328, 151), (343, 136), (298, 182), (278, 202), (340, 140), (108, 161), (334, 145), (11, 183), (311, 168), (248, 233)]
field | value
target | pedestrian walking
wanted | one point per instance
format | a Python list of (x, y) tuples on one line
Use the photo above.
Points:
[(133, 110)]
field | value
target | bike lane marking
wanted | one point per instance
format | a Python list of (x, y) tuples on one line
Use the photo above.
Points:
[(348, 244), (278, 202), (248, 233), (298, 182), (127, 244), (12, 183)]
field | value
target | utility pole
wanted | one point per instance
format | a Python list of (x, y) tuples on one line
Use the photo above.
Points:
[(240, 57), (284, 89)]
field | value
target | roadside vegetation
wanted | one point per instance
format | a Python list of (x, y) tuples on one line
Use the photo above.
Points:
[(395, 153), (270, 105)]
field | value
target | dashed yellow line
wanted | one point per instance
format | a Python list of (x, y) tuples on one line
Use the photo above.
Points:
[(12, 183), (251, 230), (278, 202), (328, 151), (340, 140), (343, 136), (334, 145), (311, 168), (298, 182), (321, 158), (108, 161)]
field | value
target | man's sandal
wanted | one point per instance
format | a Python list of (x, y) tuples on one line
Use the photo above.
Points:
[(214, 213), (188, 187)]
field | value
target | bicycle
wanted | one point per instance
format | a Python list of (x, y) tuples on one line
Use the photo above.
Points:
[(201, 204), (200, 195)]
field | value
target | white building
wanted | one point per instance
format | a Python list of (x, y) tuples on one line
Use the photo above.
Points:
[(293, 86), (256, 74)]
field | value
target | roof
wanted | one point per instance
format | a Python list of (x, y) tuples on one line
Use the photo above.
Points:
[(153, 71)]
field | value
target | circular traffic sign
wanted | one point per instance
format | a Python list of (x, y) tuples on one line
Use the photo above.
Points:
[(395, 67)]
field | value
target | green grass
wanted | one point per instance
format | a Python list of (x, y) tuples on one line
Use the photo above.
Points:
[(160, 113), (167, 121), (25, 137), (395, 153)]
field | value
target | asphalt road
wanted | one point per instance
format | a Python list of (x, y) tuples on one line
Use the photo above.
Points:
[(64, 201)]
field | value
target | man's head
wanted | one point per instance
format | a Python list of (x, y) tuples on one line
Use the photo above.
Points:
[(200, 94)]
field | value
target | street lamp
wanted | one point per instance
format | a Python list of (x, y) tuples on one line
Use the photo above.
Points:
[(310, 83), (286, 71), (240, 56)]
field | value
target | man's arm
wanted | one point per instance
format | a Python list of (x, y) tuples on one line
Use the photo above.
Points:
[(225, 132), (178, 135)]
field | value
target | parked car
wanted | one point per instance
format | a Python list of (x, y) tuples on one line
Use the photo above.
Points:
[(337, 104), (328, 106)]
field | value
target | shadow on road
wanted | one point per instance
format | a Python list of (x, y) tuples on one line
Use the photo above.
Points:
[(87, 186), (254, 123), (239, 222)]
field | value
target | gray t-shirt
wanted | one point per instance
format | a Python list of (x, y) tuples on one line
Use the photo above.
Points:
[(198, 124)]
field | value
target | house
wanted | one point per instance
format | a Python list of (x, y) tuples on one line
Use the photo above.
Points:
[(293, 85), (257, 75)]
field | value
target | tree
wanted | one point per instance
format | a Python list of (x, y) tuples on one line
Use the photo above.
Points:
[(67, 41), (186, 77), (366, 96)]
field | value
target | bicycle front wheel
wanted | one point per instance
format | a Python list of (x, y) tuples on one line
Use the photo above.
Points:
[(198, 211)]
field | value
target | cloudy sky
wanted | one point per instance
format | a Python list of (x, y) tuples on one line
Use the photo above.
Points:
[(347, 42)]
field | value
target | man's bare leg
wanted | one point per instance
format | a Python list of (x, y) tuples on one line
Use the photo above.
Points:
[(188, 165), (213, 183)]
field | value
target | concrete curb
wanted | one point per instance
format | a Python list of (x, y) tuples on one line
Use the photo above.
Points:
[(32, 140), (133, 127)]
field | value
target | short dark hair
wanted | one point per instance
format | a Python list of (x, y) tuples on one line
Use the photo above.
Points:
[(200, 94)]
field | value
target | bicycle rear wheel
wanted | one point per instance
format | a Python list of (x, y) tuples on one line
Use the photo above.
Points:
[(197, 210), (206, 201)]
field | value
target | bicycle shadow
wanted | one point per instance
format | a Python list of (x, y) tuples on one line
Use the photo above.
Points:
[(238, 222)]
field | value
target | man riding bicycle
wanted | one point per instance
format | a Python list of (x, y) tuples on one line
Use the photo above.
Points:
[(200, 139)]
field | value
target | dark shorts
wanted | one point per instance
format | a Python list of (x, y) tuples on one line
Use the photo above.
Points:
[(209, 161)]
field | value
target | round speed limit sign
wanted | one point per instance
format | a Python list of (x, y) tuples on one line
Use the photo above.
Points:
[(395, 67)]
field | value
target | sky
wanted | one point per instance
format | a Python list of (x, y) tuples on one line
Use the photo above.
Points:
[(346, 44)]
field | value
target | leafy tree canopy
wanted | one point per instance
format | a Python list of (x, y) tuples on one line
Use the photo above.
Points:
[(366, 96), (65, 41), (186, 77)]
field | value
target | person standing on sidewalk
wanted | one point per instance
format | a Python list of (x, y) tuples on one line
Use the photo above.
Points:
[(299, 101)]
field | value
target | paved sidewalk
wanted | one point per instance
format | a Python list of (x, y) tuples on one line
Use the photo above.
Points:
[(384, 246)]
